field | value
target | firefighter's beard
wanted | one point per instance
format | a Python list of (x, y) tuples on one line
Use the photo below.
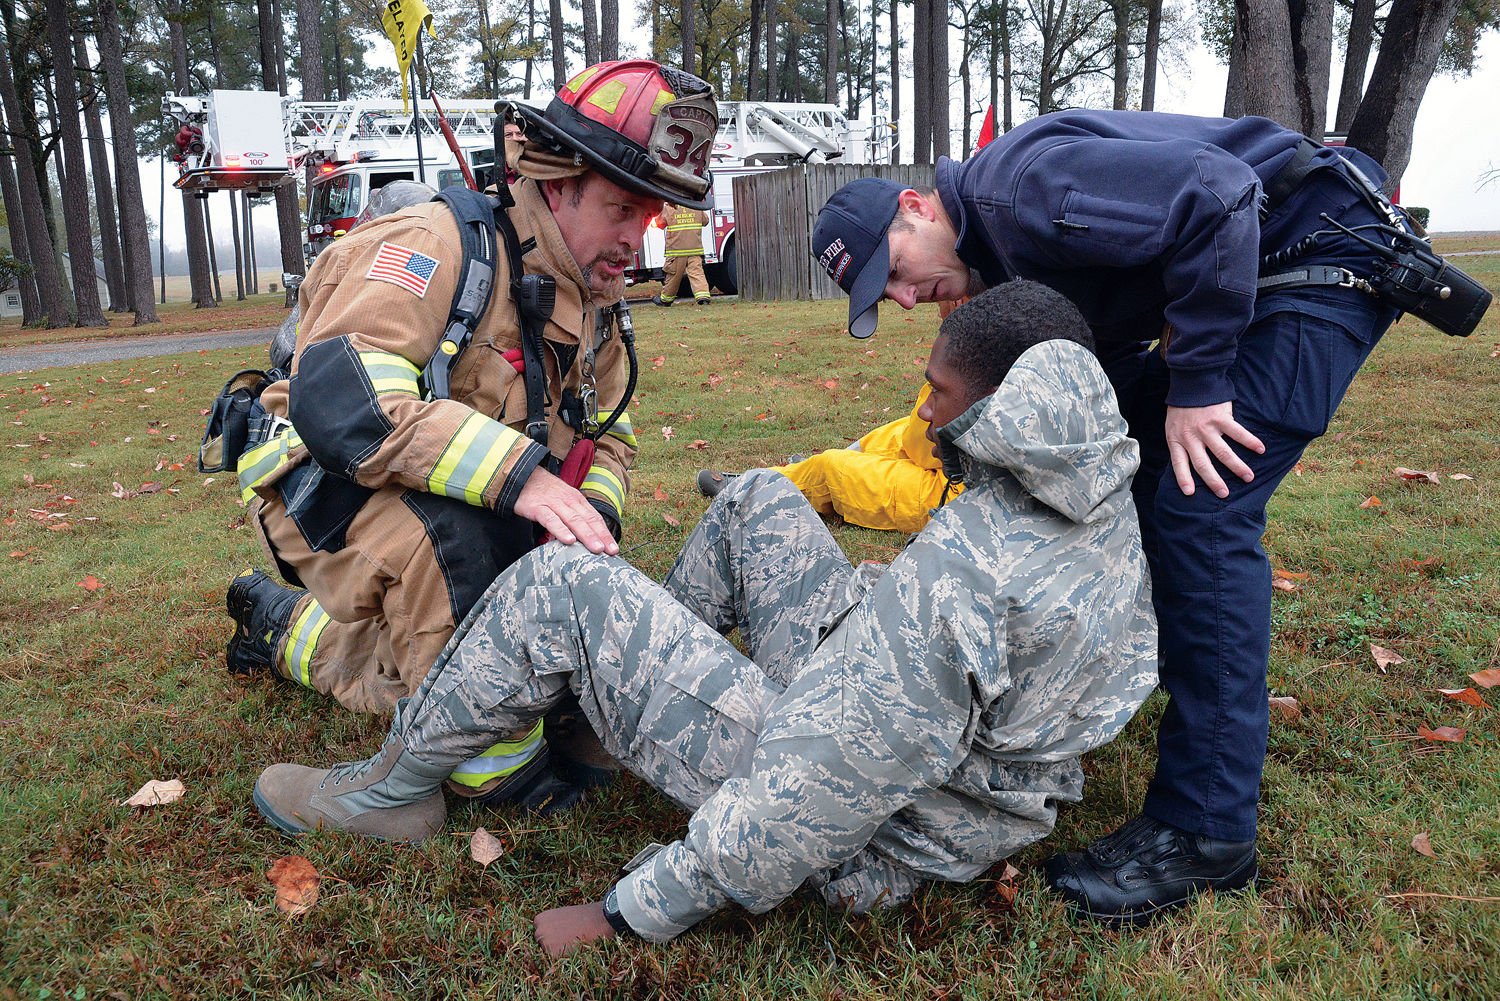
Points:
[(605, 277)]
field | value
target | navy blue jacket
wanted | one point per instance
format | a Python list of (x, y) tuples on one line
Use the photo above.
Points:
[(1140, 219)]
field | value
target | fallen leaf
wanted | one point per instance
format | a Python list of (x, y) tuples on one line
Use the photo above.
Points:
[(1488, 678), (296, 883), (1006, 887), (1385, 658), (1422, 844), (1282, 584), (670, 520), (1417, 474), (659, 494), (1426, 566), (1467, 696), (713, 381), (90, 583), (120, 492), (156, 793), (484, 847), (1371, 501), (658, 361), (1289, 575), (1459, 476), (669, 433), (1287, 706), (830, 384), (1443, 734), (697, 445), (150, 488)]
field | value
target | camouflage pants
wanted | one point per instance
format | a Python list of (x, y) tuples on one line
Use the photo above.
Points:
[(671, 698)]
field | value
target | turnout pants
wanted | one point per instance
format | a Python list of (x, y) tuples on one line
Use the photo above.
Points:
[(379, 611), (689, 267)]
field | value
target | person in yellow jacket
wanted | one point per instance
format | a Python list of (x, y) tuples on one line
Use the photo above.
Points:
[(889, 479), (684, 255)]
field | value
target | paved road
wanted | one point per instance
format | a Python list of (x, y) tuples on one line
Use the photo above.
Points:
[(34, 356)]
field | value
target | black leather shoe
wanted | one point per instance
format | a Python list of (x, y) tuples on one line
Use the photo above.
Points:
[(262, 610), (711, 482), (534, 787), (1147, 867)]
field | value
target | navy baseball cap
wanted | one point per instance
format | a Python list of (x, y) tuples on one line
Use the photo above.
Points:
[(849, 240)]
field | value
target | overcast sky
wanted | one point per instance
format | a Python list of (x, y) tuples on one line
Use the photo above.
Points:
[(1456, 142)]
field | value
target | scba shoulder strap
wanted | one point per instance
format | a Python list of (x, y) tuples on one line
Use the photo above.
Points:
[(478, 216)]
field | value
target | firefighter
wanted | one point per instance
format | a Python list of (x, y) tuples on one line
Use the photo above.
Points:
[(684, 255), (395, 511)]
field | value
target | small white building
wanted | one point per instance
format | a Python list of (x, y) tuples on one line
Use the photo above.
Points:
[(10, 299)]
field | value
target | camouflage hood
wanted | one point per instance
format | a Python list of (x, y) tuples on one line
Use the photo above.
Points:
[(1054, 428)]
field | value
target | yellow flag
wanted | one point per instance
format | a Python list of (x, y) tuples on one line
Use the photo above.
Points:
[(403, 21)]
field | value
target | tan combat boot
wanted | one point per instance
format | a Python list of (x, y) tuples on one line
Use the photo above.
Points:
[(393, 796)]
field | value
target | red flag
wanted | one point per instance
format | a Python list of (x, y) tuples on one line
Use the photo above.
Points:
[(987, 130)]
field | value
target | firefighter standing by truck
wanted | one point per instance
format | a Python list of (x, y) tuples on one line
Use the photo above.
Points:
[(684, 255), (396, 510)]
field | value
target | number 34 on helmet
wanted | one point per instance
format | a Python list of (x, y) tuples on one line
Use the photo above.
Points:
[(647, 127)]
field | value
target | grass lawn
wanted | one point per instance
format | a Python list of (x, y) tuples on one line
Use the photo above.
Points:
[(112, 630)]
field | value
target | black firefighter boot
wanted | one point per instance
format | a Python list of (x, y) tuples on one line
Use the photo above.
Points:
[(262, 612)]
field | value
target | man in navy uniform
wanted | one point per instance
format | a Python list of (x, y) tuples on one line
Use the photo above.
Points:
[(1212, 260)]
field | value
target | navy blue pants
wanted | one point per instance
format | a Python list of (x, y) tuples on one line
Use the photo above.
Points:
[(1210, 577)]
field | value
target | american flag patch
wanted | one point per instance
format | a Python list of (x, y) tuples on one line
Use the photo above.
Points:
[(407, 268)]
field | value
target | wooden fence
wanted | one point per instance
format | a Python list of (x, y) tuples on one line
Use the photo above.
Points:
[(774, 213)]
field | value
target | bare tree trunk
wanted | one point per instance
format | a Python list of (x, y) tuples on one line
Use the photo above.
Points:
[(559, 45), (1356, 59), (831, 51), (966, 89), (1005, 40), (75, 185), (310, 38), (771, 61), (1234, 87), (213, 253), (752, 65), (137, 246), (278, 47), (530, 47), (234, 235), (104, 195), (273, 77), (1122, 54), (10, 191), (921, 83), (942, 139), (895, 77), (39, 250), (609, 29), (1312, 23), (1409, 51), (590, 32), (1270, 76), (1148, 56), (689, 35), (192, 207)]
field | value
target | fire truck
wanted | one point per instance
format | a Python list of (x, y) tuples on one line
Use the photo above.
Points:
[(242, 139)]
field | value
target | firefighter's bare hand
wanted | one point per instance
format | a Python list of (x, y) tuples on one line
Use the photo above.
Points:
[(563, 929), (1197, 437), (565, 512)]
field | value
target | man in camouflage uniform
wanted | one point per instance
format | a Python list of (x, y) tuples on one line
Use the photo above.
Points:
[(890, 725), (397, 510)]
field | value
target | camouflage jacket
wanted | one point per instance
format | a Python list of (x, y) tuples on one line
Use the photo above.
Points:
[(940, 720)]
